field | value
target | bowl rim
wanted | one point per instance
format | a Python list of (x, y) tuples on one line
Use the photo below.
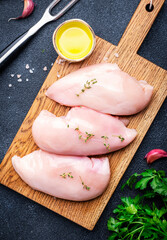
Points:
[(56, 48)]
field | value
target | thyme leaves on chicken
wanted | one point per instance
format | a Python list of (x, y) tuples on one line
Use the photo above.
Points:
[(107, 145), (84, 185), (87, 85), (64, 175), (105, 137), (87, 137)]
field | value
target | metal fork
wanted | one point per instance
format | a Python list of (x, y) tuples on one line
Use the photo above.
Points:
[(47, 17)]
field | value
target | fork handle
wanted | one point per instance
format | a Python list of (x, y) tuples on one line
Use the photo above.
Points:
[(19, 42), (12, 47)]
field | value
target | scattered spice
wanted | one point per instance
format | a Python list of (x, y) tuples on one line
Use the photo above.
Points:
[(43, 50), (58, 75), (105, 137), (107, 146), (27, 66), (28, 9), (68, 125), (116, 55), (64, 175), (120, 137), (87, 85), (89, 135), (45, 68), (105, 59), (84, 185), (60, 61)]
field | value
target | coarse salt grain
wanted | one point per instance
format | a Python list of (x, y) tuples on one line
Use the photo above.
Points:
[(116, 55), (18, 75), (27, 79), (10, 85), (27, 66), (19, 80), (51, 64), (60, 61), (12, 75), (45, 68), (105, 58), (31, 71)]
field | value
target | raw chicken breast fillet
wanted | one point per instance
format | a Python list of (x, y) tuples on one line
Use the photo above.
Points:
[(68, 177), (103, 87), (82, 131)]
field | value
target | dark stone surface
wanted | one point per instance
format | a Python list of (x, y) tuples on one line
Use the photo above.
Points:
[(21, 218)]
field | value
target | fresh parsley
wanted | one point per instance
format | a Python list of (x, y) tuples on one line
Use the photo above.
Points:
[(136, 220)]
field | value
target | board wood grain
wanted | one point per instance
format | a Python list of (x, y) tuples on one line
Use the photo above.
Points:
[(87, 213)]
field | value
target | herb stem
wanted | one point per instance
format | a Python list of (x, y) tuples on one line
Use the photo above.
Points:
[(87, 85), (136, 230)]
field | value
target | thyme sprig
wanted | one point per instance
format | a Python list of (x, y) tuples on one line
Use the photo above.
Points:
[(105, 137), (88, 135), (64, 175), (84, 185), (120, 137), (87, 85), (105, 144)]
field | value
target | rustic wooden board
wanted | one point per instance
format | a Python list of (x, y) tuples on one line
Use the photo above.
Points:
[(87, 213)]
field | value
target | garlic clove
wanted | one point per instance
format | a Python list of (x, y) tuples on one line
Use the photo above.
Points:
[(154, 155), (28, 9)]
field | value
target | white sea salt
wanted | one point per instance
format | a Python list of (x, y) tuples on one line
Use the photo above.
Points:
[(105, 59), (27, 66), (27, 79), (10, 85), (60, 61), (116, 55), (45, 68), (19, 80), (12, 75), (51, 64), (18, 75), (31, 71)]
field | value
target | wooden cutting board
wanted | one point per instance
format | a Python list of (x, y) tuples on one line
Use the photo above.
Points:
[(125, 55)]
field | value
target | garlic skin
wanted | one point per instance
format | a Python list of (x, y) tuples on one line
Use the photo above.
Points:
[(28, 9), (154, 155)]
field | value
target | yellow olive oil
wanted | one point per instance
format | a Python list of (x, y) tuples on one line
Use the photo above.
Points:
[(74, 40)]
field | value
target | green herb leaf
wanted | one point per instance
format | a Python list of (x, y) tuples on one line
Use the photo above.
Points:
[(87, 85), (137, 221)]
